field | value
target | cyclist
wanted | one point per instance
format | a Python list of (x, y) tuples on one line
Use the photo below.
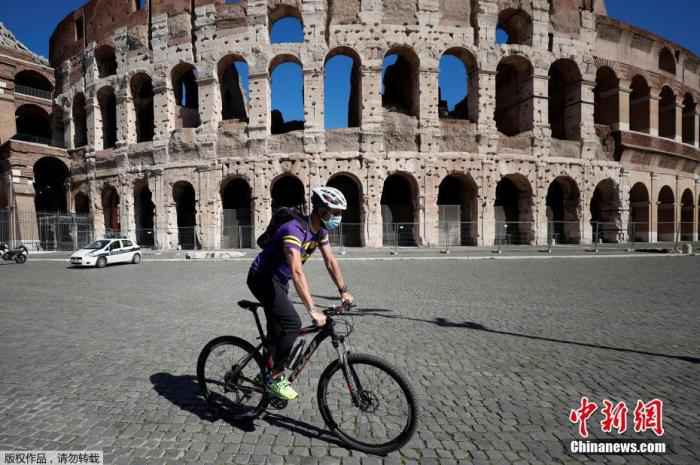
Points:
[(281, 260)]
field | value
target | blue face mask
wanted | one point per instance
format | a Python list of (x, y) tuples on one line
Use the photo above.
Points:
[(332, 223)]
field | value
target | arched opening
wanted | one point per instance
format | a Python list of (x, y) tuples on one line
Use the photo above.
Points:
[(50, 185), (287, 95), (514, 96), (237, 232), (639, 213), (33, 124), (288, 191), (233, 83), (82, 204), (458, 86), (666, 61), (342, 89), (666, 206), (106, 61), (667, 113), (79, 121), (565, 100), (607, 97), (58, 127), (514, 27), (144, 214), (689, 129), (639, 105), (108, 111), (457, 210), (30, 82), (110, 210), (687, 215), (605, 212), (563, 204), (398, 211), (286, 25), (185, 202), (350, 231), (513, 210), (400, 90), (184, 78), (142, 94)]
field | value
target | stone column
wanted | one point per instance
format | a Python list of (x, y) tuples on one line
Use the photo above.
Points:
[(623, 118), (259, 106), (487, 21), (94, 123), (428, 122), (375, 183), (314, 140), (486, 125), (209, 95), (126, 117), (69, 127), (588, 135), (696, 211), (542, 133), (679, 120), (696, 134), (653, 116), (487, 198), (372, 135), (653, 208), (163, 106), (624, 195), (371, 11), (539, 192)]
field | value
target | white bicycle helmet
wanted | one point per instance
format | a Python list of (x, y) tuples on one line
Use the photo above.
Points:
[(328, 197)]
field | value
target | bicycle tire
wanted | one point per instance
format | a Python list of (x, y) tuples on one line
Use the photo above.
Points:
[(355, 360), (216, 400)]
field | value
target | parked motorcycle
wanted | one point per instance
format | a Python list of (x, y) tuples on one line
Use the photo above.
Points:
[(19, 254)]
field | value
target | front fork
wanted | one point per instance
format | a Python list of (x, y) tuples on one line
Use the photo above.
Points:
[(351, 379)]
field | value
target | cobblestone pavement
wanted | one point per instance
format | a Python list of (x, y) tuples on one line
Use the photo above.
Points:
[(499, 352)]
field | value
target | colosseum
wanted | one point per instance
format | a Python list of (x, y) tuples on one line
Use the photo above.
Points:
[(163, 124)]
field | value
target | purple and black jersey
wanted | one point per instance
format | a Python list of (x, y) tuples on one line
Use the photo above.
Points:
[(294, 234)]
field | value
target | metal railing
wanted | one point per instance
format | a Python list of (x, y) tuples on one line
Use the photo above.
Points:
[(34, 92), (32, 138)]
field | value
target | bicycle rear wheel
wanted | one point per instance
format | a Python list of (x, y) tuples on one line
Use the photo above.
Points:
[(226, 370), (385, 417)]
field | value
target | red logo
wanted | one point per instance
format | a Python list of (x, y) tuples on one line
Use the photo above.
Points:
[(647, 416)]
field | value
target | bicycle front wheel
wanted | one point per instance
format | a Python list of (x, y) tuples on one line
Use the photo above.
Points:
[(385, 414), (229, 372)]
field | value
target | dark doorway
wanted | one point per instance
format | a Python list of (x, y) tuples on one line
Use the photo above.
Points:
[(457, 211), (237, 231), (563, 203), (513, 211), (639, 213), (183, 194), (288, 191), (142, 93), (350, 232), (144, 213), (605, 212), (110, 209), (666, 215), (398, 211), (50, 175)]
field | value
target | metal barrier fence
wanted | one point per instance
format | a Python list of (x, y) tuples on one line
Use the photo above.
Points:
[(47, 231)]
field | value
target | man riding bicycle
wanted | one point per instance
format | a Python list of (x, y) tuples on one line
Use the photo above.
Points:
[(281, 260)]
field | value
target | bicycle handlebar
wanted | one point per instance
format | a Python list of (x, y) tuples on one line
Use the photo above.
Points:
[(339, 309)]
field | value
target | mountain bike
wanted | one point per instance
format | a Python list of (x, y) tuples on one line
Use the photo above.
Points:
[(363, 400)]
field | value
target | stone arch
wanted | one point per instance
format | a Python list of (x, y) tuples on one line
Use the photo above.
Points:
[(231, 83), (458, 215), (28, 81), (287, 190), (466, 107), (353, 222), (237, 213), (33, 124), (399, 203), (142, 94), (186, 89), (50, 185), (666, 61), (639, 213), (285, 20), (639, 105), (108, 110), (144, 213), (514, 95), (666, 214), (400, 81), (79, 120), (667, 113), (607, 97), (565, 100), (516, 25), (106, 61), (563, 206), (110, 210), (689, 129), (687, 215), (348, 63), (284, 68), (605, 206), (513, 210), (186, 211)]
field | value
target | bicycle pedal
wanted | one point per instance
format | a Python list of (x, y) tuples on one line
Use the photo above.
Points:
[(278, 404)]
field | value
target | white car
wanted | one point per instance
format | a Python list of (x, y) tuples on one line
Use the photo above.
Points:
[(107, 251)]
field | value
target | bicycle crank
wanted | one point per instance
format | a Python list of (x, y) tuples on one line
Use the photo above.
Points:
[(277, 403)]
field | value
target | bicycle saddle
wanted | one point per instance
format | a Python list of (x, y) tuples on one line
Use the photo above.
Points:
[(248, 305)]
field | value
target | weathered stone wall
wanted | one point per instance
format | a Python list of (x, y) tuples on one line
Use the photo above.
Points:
[(421, 148)]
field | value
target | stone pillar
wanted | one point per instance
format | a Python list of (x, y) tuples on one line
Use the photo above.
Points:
[(487, 198), (371, 11), (69, 127), (679, 120), (624, 195), (375, 183), (696, 134), (209, 96), (653, 116), (160, 220), (372, 136), (588, 135), (428, 123), (259, 105), (542, 133), (696, 211), (163, 106), (94, 123), (623, 118), (539, 192), (653, 208), (540, 24), (314, 140), (126, 117), (486, 125), (487, 21)]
